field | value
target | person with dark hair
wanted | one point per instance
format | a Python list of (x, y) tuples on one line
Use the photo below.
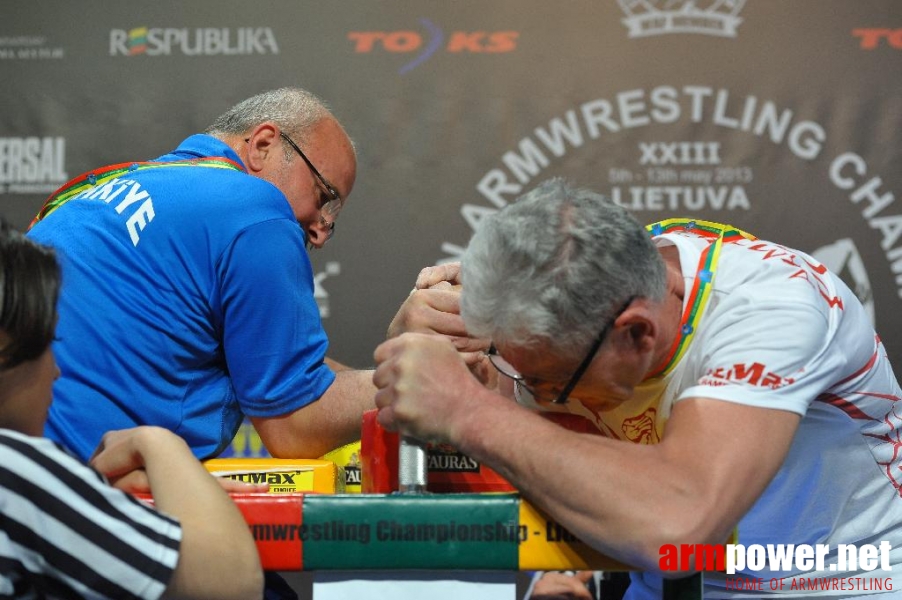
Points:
[(736, 385), (64, 531), (188, 301)]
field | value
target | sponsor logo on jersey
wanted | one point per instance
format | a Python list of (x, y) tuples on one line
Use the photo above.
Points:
[(755, 374)]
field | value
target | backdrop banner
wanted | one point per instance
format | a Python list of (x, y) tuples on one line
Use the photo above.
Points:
[(781, 118)]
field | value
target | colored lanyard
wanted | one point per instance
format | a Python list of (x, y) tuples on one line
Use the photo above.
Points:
[(702, 287), (97, 177)]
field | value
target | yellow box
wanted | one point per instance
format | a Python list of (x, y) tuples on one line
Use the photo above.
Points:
[(282, 474), (348, 460)]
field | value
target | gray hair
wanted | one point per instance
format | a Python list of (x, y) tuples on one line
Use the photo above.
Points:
[(548, 270), (294, 110)]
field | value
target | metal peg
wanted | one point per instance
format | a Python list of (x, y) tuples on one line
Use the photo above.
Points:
[(412, 467)]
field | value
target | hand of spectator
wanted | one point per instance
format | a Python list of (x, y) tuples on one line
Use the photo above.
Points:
[(562, 586)]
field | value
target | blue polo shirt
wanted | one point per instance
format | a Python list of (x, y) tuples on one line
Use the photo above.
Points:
[(187, 302)]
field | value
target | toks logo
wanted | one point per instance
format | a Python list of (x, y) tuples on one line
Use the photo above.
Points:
[(406, 41), (871, 39)]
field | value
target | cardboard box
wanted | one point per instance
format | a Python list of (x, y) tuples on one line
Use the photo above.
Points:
[(283, 475), (348, 460)]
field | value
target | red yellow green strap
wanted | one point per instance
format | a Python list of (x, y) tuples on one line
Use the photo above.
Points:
[(718, 234), (97, 177)]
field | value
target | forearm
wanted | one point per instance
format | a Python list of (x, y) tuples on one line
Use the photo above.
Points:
[(623, 499), (218, 557), (629, 499), (328, 423), (335, 365)]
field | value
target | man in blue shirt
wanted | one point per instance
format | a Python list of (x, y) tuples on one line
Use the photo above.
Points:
[(187, 300)]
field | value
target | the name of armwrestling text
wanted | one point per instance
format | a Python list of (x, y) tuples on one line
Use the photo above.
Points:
[(806, 566), (730, 558)]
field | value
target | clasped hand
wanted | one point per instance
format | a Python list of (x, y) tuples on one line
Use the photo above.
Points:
[(425, 371)]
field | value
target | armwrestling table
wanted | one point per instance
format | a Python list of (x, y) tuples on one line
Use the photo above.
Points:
[(367, 537)]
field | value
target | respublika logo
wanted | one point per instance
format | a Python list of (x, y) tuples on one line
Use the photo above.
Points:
[(202, 41), (432, 39), (805, 566), (646, 18)]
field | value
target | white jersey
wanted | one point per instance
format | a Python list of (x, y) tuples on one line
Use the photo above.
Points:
[(779, 331)]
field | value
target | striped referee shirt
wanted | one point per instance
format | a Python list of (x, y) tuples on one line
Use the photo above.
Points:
[(65, 533)]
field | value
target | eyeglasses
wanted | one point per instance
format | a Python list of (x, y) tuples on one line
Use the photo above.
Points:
[(506, 369), (330, 207)]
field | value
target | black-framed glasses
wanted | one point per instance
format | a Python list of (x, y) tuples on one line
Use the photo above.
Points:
[(506, 369), (330, 207)]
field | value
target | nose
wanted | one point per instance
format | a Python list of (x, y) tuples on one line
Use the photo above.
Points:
[(317, 235), (315, 240)]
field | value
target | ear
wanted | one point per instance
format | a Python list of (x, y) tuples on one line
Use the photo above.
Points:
[(636, 329), (262, 146)]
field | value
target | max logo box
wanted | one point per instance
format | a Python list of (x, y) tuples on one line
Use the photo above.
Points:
[(283, 475)]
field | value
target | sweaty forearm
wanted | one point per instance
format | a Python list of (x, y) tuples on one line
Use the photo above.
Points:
[(328, 423), (609, 493)]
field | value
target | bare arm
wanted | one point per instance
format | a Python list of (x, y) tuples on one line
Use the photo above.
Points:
[(335, 419), (217, 557), (638, 498), (624, 499), (336, 366), (328, 423)]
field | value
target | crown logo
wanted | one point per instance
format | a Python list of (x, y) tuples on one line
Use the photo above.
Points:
[(646, 18)]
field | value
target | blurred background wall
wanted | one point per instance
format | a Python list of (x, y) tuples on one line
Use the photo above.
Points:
[(783, 118)]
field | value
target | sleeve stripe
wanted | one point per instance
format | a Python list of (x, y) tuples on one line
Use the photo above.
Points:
[(85, 498), (60, 518)]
